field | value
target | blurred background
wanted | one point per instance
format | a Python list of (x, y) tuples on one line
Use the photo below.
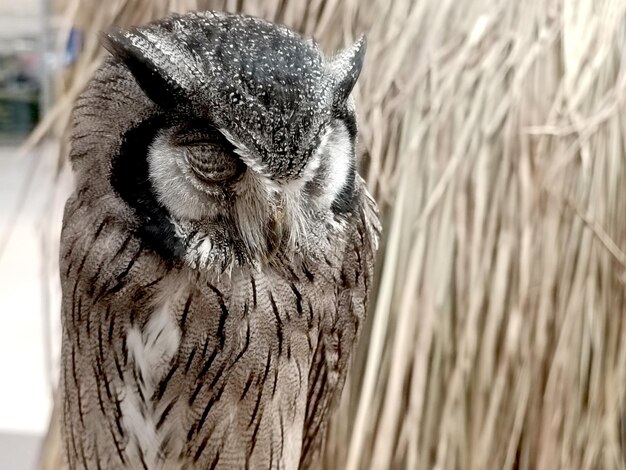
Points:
[(493, 135), (28, 65)]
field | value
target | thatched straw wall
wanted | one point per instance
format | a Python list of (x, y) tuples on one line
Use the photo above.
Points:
[(494, 136)]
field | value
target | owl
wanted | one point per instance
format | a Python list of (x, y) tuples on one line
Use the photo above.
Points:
[(218, 249)]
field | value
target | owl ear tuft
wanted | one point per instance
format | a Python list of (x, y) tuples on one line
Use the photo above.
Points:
[(345, 68), (146, 62)]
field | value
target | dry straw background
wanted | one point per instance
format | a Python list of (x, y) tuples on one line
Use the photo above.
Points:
[(493, 134)]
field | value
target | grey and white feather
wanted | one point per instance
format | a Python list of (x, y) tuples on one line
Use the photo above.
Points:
[(217, 252)]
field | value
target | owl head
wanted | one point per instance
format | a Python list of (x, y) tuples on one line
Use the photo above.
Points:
[(247, 146)]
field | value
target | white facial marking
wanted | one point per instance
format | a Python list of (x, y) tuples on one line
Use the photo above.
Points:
[(338, 150), (173, 187)]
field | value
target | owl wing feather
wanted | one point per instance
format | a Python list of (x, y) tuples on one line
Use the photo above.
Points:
[(339, 330), (103, 266)]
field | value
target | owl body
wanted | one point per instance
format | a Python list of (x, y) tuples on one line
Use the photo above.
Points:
[(215, 265)]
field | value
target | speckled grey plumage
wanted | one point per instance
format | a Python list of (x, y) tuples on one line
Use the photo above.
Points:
[(217, 253), (245, 74)]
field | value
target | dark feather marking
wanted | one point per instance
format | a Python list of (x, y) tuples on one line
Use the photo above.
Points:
[(107, 315), (320, 390), (156, 338), (221, 325), (111, 324), (279, 323), (254, 435), (163, 383), (217, 292), (296, 292), (191, 432), (257, 405), (139, 376), (81, 265), (339, 334), (121, 249), (357, 252), (164, 414), (199, 381), (203, 444), (116, 442), (102, 373), (103, 289), (141, 457), (138, 379), (118, 420), (94, 279), (100, 227), (223, 316), (98, 392), (218, 375), (286, 263), (215, 398), (344, 280), (124, 350), (153, 283), (82, 451), (183, 318), (275, 381), (164, 450), (307, 273), (247, 386), (80, 136), (119, 279), (299, 376), (316, 428), (313, 380), (68, 254), (120, 374), (215, 461), (253, 283), (207, 364), (245, 345), (190, 360)]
